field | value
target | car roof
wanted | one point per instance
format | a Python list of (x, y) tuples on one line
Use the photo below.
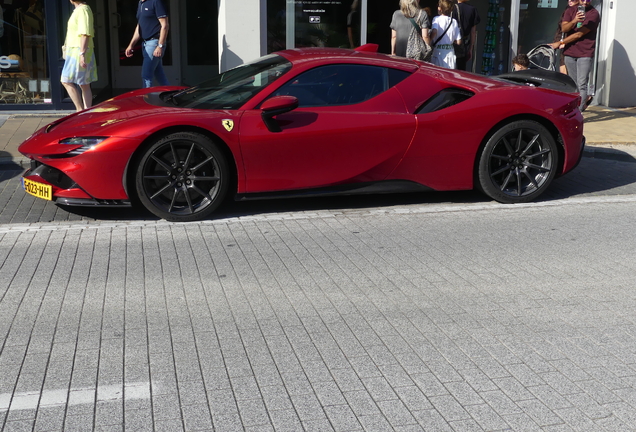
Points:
[(339, 55)]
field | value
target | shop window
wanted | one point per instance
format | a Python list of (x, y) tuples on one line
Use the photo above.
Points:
[(315, 23), (23, 62)]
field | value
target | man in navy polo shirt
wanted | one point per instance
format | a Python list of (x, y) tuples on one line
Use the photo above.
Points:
[(152, 29)]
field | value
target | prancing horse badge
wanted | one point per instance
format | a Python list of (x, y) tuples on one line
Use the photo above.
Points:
[(228, 124)]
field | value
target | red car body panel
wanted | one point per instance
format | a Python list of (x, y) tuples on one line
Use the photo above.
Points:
[(379, 139), (325, 145)]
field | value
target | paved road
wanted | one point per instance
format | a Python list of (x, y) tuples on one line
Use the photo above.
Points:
[(433, 312)]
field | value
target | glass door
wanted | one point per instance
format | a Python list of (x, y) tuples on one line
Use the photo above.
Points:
[(537, 21), (315, 23), (123, 21)]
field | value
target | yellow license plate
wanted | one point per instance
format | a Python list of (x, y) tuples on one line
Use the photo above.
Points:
[(39, 190)]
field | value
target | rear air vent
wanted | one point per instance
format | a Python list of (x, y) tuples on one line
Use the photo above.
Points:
[(444, 99)]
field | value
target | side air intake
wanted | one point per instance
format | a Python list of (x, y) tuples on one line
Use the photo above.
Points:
[(444, 99)]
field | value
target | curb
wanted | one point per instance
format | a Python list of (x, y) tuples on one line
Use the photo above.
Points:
[(593, 152)]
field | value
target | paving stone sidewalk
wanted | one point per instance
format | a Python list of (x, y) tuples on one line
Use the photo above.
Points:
[(478, 320)]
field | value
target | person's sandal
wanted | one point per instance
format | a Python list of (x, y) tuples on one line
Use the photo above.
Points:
[(587, 103)]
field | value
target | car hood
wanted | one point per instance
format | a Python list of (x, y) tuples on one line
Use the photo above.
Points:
[(134, 116), (101, 118)]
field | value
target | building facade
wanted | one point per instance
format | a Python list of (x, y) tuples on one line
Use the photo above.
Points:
[(211, 35)]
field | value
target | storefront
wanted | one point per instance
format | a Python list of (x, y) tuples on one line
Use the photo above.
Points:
[(33, 32), (24, 55), (207, 36)]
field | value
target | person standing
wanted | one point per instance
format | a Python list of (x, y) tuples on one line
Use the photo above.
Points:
[(445, 33), (467, 17), (152, 28), (79, 56), (401, 26), (353, 25), (579, 44)]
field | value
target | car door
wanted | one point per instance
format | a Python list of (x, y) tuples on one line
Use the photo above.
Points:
[(351, 126)]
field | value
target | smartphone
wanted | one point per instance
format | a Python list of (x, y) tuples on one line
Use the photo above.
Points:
[(581, 9)]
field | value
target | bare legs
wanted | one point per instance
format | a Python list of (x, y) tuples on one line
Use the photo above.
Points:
[(81, 98), (87, 95)]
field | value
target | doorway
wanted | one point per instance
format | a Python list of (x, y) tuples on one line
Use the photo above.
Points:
[(122, 21)]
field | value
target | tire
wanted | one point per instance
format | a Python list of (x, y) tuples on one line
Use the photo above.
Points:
[(518, 162), (182, 177)]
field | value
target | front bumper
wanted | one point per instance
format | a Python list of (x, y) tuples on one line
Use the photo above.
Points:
[(65, 190)]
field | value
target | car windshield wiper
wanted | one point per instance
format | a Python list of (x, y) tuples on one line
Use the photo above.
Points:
[(171, 97)]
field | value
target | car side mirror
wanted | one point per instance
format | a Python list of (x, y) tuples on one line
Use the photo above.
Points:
[(276, 106)]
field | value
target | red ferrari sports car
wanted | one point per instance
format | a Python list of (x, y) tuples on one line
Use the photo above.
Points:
[(312, 121)]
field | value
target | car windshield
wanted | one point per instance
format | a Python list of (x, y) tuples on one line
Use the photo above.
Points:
[(231, 89)]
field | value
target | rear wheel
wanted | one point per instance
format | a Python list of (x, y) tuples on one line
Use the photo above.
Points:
[(518, 162), (182, 177)]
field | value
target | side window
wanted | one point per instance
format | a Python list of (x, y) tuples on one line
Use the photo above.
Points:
[(332, 85)]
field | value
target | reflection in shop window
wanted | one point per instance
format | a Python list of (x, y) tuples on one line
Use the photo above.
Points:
[(23, 63), (316, 23)]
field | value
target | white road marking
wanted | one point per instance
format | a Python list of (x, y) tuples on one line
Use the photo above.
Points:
[(56, 397)]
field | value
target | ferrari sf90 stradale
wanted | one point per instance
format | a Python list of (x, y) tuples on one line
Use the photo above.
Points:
[(308, 122)]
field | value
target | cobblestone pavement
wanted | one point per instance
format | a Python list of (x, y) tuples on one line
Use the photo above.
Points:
[(487, 319), (435, 312)]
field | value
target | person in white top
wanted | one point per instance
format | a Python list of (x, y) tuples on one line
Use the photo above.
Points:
[(447, 31)]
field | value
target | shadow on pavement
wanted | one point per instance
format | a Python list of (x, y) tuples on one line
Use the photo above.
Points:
[(608, 153), (8, 168), (595, 177), (593, 115)]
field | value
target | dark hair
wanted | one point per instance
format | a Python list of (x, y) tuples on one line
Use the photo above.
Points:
[(521, 60)]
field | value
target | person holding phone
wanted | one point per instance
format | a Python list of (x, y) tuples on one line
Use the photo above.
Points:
[(579, 26)]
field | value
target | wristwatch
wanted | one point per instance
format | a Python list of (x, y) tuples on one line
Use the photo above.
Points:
[(160, 45)]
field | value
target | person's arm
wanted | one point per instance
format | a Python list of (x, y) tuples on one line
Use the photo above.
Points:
[(424, 25), (425, 36), (163, 36), (83, 48), (570, 39), (133, 42), (393, 41), (568, 26)]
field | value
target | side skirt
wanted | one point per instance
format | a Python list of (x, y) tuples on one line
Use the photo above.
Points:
[(383, 187)]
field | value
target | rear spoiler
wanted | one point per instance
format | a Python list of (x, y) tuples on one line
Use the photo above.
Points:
[(542, 78)]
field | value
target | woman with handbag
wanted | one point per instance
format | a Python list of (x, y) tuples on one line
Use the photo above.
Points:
[(409, 31), (445, 33)]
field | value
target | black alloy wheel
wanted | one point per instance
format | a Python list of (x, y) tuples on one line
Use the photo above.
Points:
[(182, 177), (518, 162)]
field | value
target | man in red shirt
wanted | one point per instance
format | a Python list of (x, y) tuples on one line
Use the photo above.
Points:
[(579, 44)]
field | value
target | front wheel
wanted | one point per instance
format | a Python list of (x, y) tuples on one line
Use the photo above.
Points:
[(518, 162), (182, 177)]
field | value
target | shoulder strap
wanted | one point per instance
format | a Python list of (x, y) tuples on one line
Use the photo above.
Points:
[(416, 25), (445, 30), (459, 20)]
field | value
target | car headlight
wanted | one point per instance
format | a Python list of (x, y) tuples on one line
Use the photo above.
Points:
[(85, 143)]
